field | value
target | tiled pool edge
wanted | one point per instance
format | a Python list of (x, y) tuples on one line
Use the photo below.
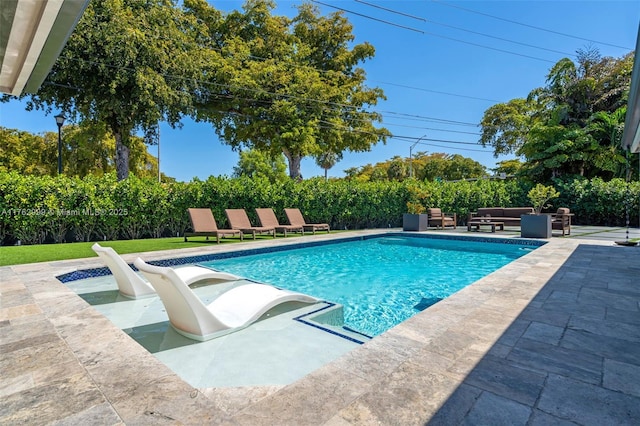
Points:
[(131, 386)]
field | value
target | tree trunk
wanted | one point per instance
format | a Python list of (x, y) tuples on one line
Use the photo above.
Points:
[(294, 164), (326, 178), (122, 158)]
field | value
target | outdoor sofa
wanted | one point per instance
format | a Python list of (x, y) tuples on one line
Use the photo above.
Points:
[(510, 216)]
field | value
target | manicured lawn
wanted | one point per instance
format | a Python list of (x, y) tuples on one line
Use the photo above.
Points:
[(15, 255)]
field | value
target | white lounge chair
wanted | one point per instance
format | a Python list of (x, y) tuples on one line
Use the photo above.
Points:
[(132, 286), (232, 310)]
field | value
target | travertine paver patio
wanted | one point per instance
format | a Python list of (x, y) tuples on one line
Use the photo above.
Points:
[(552, 338)]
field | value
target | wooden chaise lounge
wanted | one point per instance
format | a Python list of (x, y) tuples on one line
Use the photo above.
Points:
[(204, 225), (239, 220), (296, 219), (268, 219)]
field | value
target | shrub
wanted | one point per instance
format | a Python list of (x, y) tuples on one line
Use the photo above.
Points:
[(38, 209)]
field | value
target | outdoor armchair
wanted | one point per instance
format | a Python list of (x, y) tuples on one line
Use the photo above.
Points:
[(439, 219), (561, 220)]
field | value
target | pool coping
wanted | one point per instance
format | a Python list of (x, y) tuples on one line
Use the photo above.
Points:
[(111, 379)]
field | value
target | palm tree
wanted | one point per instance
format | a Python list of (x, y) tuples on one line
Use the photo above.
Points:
[(327, 160), (606, 128)]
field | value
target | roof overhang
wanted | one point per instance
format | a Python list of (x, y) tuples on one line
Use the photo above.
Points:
[(631, 134), (32, 35)]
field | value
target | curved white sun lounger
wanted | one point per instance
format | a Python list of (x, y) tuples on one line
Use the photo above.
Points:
[(132, 286), (232, 310)]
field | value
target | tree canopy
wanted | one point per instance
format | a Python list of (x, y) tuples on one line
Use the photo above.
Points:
[(280, 85), (129, 64), (436, 166), (257, 164), (291, 86), (572, 125), (87, 149)]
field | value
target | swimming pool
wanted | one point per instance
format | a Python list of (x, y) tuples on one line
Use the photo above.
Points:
[(284, 347), (381, 282)]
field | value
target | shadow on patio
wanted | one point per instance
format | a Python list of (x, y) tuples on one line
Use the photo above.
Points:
[(572, 355)]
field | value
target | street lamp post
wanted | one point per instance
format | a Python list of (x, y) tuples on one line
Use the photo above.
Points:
[(411, 155), (59, 121)]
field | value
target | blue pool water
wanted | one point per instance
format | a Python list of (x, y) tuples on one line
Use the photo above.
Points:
[(382, 281)]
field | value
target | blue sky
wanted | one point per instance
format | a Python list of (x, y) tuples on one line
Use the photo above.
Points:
[(438, 80)]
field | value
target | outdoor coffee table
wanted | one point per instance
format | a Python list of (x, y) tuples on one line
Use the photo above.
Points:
[(478, 223)]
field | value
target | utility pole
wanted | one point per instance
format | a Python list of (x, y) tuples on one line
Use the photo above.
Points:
[(411, 155)]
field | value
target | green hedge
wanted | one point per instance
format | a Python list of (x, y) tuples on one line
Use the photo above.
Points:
[(45, 209)]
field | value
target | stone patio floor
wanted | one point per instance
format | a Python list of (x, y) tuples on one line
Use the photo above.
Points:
[(552, 338)]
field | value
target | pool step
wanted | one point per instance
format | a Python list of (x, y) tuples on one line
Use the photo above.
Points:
[(331, 319)]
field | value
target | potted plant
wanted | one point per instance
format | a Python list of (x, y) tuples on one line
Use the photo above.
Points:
[(415, 219), (538, 225)]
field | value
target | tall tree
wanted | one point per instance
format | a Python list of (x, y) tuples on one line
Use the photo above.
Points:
[(254, 163), (505, 126), (566, 127), (293, 85), (508, 167), (87, 148), (27, 153), (129, 64), (398, 169)]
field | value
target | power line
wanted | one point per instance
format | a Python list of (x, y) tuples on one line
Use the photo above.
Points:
[(321, 71), (412, 140), (436, 35), (377, 81), (231, 87), (419, 18), (329, 125), (431, 21), (370, 17), (528, 25), (451, 147), (392, 136), (293, 97), (372, 81), (489, 47), (387, 124), (426, 118), (438, 140), (433, 91), (229, 54)]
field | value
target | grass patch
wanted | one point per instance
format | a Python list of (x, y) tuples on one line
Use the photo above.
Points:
[(17, 255)]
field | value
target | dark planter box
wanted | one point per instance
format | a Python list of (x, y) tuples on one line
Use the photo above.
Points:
[(415, 222), (535, 226)]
